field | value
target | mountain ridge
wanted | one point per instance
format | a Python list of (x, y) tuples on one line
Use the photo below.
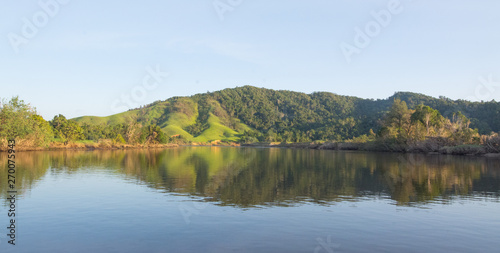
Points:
[(234, 113)]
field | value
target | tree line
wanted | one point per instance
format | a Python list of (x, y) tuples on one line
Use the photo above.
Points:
[(298, 117), (407, 126), (20, 121), (272, 116)]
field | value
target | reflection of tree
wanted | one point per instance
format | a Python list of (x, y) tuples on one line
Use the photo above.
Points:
[(30, 167), (280, 176), (420, 178), (251, 176)]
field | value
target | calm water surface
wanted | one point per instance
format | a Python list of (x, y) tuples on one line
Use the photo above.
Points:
[(213, 199)]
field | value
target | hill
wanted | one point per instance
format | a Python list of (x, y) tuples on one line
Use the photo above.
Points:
[(250, 112)]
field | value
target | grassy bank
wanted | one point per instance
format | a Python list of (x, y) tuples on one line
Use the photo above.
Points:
[(84, 145)]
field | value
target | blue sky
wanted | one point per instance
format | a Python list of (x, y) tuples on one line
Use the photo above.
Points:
[(87, 57)]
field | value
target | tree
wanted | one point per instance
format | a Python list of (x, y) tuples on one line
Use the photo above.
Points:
[(19, 121), (119, 139), (66, 130), (132, 130), (270, 136), (42, 131), (427, 116), (460, 131), (16, 119), (397, 119), (460, 121), (152, 134)]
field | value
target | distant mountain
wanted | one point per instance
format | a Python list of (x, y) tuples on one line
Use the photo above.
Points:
[(230, 114)]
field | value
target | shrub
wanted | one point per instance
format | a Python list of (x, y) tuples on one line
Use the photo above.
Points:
[(119, 139), (491, 143), (463, 150)]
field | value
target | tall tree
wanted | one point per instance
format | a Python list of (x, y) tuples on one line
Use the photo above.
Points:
[(427, 116), (397, 117), (18, 120), (15, 119), (66, 130)]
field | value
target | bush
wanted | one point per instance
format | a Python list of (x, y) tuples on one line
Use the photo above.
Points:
[(463, 150), (119, 139), (491, 143)]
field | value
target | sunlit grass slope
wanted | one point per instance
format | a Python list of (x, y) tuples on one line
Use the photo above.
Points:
[(174, 116), (109, 120), (217, 131)]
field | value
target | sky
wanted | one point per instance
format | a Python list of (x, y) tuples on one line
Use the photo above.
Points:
[(89, 57)]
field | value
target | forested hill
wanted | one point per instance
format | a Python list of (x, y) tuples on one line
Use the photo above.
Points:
[(250, 112)]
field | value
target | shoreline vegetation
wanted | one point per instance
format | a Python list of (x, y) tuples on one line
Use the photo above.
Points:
[(102, 145), (472, 150), (256, 117), (422, 148)]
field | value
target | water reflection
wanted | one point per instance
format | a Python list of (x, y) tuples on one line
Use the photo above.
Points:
[(248, 177)]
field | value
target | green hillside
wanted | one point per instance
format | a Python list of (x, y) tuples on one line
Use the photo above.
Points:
[(249, 112), (178, 117)]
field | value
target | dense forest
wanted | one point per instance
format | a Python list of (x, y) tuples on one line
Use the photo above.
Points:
[(249, 114)]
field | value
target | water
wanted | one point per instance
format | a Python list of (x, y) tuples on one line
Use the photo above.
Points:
[(213, 199)]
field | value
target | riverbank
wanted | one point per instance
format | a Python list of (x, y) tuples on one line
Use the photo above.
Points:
[(88, 145), (377, 146), (373, 146)]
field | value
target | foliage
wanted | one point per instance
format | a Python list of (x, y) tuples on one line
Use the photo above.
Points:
[(131, 132), (248, 114), (42, 131), (297, 117), (153, 134), (491, 142), (119, 139), (19, 121), (430, 118), (407, 126), (16, 119), (66, 130)]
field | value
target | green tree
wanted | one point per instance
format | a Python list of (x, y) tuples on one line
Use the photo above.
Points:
[(119, 139), (66, 130), (19, 121), (427, 116), (16, 119), (397, 119), (42, 131), (152, 134), (460, 131)]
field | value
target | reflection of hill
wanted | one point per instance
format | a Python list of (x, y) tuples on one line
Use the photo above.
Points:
[(252, 176), (287, 175)]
